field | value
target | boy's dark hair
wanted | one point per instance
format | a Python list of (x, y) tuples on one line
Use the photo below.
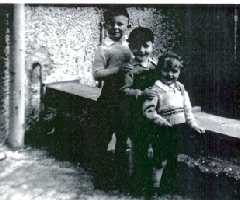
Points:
[(168, 54), (114, 11), (140, 35)]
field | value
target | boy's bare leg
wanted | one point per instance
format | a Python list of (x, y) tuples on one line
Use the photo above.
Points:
[(157, 175)]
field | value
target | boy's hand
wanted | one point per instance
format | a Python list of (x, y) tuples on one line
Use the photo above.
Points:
[(126, 67), (163, 122), (149, 92), (199, 129)]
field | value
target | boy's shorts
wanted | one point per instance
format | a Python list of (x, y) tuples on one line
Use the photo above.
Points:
[(166, 143)]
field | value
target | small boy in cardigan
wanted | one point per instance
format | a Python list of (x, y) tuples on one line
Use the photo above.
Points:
[(169, 109)]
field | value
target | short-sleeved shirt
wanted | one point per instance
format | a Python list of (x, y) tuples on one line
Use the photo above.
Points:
[(110, 55)]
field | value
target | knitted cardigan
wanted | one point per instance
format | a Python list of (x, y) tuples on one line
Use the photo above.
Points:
[(171, 103)]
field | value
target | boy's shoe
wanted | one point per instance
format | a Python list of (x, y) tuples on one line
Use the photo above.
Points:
[(153, 194)]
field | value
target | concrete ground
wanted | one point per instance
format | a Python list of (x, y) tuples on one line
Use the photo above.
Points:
[(32, 174)]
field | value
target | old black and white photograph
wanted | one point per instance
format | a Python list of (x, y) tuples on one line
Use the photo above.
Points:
[(119, 101)]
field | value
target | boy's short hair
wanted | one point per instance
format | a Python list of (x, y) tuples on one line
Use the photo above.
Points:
[(140, 35), (168, 54), (114, 11)]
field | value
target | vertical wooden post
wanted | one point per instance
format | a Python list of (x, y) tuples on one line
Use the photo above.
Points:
[(17, 120)]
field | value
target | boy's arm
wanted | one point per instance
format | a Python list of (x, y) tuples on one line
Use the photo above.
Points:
[(149, 111), (137, 93), (128, 84), (128, 80), (132, 92), (100, 62), (189, 115), (102, 74)]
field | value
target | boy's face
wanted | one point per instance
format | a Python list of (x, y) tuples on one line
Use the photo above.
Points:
[(117, 27), (170, 71), (141, 51)]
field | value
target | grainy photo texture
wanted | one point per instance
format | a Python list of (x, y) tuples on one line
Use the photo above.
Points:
[(119, 101)]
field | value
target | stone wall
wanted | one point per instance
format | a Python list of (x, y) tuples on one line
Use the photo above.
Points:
[(61, 40), (70, 35)]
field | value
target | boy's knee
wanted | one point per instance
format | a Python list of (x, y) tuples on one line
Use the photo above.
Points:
[(164, 163), (161, 164)]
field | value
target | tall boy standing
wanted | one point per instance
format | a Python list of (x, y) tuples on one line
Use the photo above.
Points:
[(109, 67)]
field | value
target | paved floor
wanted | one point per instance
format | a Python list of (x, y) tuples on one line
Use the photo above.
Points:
[(34, 175)]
